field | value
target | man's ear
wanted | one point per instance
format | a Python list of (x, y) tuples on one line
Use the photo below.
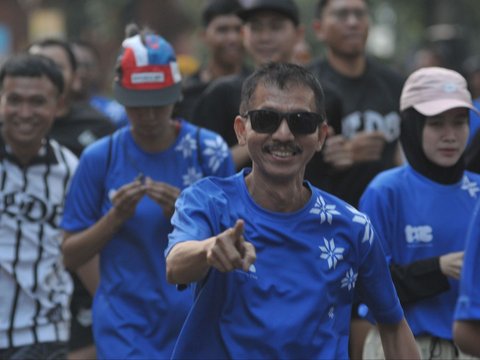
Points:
[(318, 29), (322, 135), (240, 127), (76, 82)]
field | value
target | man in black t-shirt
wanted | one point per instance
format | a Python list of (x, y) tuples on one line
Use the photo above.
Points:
[(222, 37), (370, 91)]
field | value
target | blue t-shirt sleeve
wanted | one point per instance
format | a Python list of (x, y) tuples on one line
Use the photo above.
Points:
[(86, 193), (375, 204), (376, 287), (468, 304), (216, 156), (194, 217)]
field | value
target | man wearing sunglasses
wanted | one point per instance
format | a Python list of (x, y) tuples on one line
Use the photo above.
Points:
[(271, 29), (274, 260)]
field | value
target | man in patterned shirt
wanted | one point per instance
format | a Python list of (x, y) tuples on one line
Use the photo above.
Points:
[(275, 260), (35, 173)]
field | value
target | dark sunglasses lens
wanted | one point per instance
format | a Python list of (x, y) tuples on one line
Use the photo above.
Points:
[(303, 122), (264, 121)]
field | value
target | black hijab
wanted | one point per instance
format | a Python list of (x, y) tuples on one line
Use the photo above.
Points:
[(411, 128)]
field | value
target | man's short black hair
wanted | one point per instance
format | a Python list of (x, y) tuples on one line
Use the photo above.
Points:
[(60, 43), (287, 8), (214, 8), (29, 65), (282, 75), (321, 4), (85, 45)]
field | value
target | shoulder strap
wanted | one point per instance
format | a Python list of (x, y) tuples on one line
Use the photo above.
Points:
[(109, 159), (199, 149), (109, 154)]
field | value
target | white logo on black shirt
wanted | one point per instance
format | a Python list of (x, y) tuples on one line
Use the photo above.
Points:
[(371, 120)]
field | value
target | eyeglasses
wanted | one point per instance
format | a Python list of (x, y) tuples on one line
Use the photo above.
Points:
[(344, 14), (268, 121)]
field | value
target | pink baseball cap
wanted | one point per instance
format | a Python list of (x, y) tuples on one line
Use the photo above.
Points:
[(433, 90)]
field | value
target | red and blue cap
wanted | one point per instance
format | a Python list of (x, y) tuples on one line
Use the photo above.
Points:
[(147, 73)]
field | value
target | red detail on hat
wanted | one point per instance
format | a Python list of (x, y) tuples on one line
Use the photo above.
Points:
[(148, 77), (155, 77)]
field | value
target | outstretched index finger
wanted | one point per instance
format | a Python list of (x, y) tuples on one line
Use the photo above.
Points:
[(238, 229)]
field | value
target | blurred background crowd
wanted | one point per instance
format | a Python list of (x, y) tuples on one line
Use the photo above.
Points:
[(405, 34)]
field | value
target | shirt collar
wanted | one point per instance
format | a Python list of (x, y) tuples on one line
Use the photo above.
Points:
[(45, 154)]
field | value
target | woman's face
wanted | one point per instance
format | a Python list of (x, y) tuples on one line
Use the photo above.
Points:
[(445, 136)]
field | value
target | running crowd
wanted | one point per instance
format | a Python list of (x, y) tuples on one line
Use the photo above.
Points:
[(267, 206)]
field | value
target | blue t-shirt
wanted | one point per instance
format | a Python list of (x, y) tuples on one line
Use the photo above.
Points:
[(295, 301), (417, 219), (136, 314), (468, 304)]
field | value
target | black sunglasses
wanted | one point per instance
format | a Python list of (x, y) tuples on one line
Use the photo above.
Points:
[(268, 121)]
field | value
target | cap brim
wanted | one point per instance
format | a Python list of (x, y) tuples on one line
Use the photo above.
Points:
[(135, 98), (435, 107), (246, 14)]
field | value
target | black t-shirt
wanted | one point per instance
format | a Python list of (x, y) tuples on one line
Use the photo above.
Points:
[(80, 127), (219, 105), (369, 103), (192, 89), (318, 172)]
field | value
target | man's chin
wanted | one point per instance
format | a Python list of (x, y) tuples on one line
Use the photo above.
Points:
[(351, 52)]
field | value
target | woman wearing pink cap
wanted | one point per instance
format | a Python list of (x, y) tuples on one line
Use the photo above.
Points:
[(421, 210)]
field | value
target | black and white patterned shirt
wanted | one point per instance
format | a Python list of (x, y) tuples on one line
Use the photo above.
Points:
[(35, 288)]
